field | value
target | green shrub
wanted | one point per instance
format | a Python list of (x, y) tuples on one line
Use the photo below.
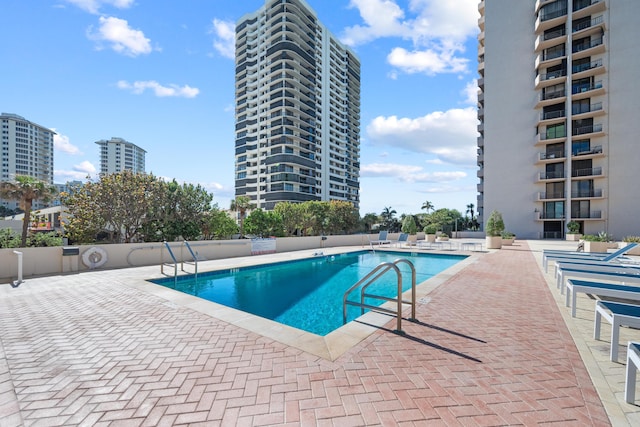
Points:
[(573, 227), (495, 224), (507, 235), (600, 237), (631, 239), (9, 238), (431, 229)]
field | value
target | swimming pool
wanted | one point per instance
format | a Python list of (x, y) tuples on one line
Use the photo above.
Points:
[(307, 294)]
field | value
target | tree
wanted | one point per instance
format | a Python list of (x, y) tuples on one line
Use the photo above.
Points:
[(291, 214), (241, 205), (387, 216), (409, 225), (264, 223), (343, 217), (369, 220), (25, 189), (470, 207), (218, 225), (427, 206)]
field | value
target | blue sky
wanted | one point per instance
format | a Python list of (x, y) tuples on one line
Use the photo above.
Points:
[(160, 74)]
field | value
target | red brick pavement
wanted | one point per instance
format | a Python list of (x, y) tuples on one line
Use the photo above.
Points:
[(489, 349)]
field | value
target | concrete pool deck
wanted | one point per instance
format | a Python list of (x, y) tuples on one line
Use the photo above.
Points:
[(493, 345)]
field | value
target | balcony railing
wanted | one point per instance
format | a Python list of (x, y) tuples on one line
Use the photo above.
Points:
[(584, 67), (552, 95), (586, 172), (554, 34), (587, 87), (592, 193), (578, 109), (553, 75), (579, 47), (551, 215), (552, 155), (584, 25), (552, 15), (587, 129), (552, 115), (587, 215), (595, 150), (552, 175), (553, 133), (581, 4), (554, 195), (547, 56)]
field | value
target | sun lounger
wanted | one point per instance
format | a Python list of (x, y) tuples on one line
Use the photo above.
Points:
[(598, 288), (381, 240), (568, 256), (633, 364), (578, 263), (612, 272), (402, 239), (617, 314)]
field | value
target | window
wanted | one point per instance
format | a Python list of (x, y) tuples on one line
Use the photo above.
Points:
[(554, 210), (581, 106), (581, 146)]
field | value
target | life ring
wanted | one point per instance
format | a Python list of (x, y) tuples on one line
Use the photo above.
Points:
[(94, 257)]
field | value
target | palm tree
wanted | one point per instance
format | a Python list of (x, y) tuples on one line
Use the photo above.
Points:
[(25, 189), (241, 204), (387, 216), (427, 206), (470, 207)]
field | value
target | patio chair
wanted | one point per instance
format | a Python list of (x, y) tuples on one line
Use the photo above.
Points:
[(381, 240), (612, 272), (596, 256), (633, 364), (402, 239), (617, 314), (601, 289)]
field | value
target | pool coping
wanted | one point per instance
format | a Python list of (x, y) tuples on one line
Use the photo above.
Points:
[(330, 346)]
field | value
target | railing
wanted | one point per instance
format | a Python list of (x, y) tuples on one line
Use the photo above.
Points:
[(553, 75), (587, 215), (551, 215), (579, 47), (586, 88), (591, 193), (552, 115), (552, 95), (595, 150), (552, 155), (369, 279), (579, 5), (587, 129), (552, 15), (554, 34), (577, 109), (557, 195), (552, 175), (173, 257), (194, 256), (586, 172), (584, 67), (588, 24)]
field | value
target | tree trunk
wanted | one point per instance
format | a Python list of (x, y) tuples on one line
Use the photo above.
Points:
[(25, 221)]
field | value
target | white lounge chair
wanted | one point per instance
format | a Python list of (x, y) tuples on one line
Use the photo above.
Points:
[(612, 290), (617, 314), (568, 256), (381, 240), (633, 364), (402, 239), (612, 272)]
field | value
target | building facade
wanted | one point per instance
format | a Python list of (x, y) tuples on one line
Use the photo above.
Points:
[(558, 114), (117, 155), (27, 149), (297, 109)]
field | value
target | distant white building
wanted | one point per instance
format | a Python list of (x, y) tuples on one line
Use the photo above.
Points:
[(26, 148), (117, 155)]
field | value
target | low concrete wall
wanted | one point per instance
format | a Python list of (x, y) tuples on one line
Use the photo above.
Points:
[(50, 260)]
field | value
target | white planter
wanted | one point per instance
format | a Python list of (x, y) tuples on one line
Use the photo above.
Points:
[(442, 239), (493, 242), (508, 242), (599, 246), (573, 237), (430, 238), (634, 251)]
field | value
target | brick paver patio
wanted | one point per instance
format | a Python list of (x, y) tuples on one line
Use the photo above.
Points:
[(490, 348)]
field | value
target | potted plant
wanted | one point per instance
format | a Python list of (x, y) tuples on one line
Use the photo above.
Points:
[(507, 238), (430, 232), (493, 230), (442, 237), (632, 239), (573, 231), (409, 226), (598, 242)]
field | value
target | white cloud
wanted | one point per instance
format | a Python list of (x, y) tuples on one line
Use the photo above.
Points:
[(437, 30), (62, 143), (451, 135), (409, 173), (138, 87), (79, 172), (225, 38), (470, 93), (93, 6), (122, 38)]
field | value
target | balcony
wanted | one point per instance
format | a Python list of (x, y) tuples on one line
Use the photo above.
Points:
[(549, 79), (552, 135), (544, 196), (588, 27), (480, 188), (552, 117), (480, 141), (593, 110), (593, 194), (595, 151), (587, 70), (550, 20), (553, 38), (588, 48), (544, 176), (549, 98), (584, 8), (587, 90), (480, 113), (551, 155), (481, 83), (587, 215), (590, 131), (550, 215), (587, 172)]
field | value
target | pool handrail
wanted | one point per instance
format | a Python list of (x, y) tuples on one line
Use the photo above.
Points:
[(194, 256), (173, 257), (374, 275)]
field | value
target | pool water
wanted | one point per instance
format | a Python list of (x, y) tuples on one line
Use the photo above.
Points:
[(307, 294)]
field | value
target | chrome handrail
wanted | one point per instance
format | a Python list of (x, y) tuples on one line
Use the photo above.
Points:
[(175, 261), (194, 256), (370, 278)]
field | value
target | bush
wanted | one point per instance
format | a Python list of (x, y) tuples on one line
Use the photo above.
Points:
[(573, 227), (495, 224), (9, 238), (409, 225), (600, 237), (631, 239), (431, 229), (507, 235)]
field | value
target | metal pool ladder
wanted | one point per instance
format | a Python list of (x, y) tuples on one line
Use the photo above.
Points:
[(370, 278)]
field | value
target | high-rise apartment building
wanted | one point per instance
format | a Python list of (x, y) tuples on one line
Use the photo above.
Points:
[(297, 109), (117, 155), (26, 149), (558, 111)]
